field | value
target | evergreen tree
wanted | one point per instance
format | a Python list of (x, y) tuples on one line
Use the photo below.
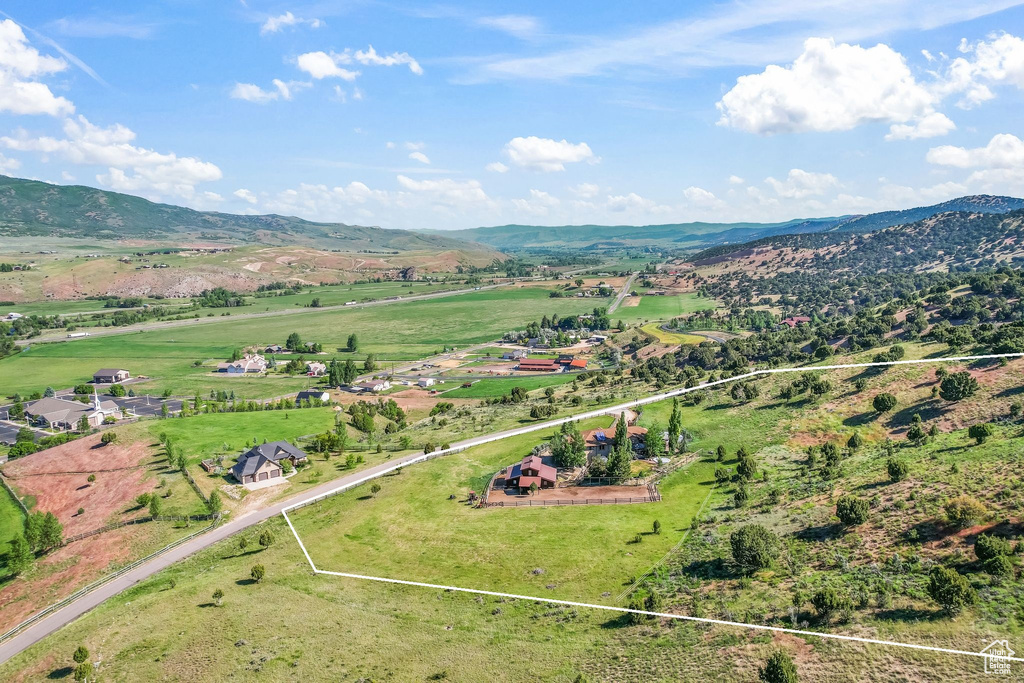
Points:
[(20, 556), (675, 426), (353, 343), (349, 372)]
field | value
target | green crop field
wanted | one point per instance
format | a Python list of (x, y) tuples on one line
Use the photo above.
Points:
[(662, 307), (394, 332), (411, 530), (499, 386)]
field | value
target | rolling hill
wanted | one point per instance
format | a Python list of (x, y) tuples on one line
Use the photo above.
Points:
[(700, 235), (30, 208)]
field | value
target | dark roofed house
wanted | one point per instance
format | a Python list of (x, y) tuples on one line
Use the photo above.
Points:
[(531, 470), (110, 376), (263, 462), (275, 348), (312, 395)]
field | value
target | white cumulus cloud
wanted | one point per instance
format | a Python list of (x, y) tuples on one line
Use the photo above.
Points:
[(799, 184), (698, 196), (254, 93), (496, 167), (545, 154), (930, 126), (321, 65), (420, 157), (828, 87), (20, 67), (245, 195), (128, 168)]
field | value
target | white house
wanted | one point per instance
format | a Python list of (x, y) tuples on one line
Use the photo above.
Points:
[(374, 385), (427, 382), (251, 362), (316, 369)]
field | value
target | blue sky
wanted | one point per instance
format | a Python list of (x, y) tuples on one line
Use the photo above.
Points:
[(416, 115)]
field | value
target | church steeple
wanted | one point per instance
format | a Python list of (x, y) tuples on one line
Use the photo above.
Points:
[(95, 398)]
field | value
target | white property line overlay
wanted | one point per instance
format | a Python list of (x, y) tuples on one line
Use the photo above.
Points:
[(626, 610)]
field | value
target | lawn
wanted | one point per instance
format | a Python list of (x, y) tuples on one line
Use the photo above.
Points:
[(499, 386), (662, 307), (412, 530), (12, 522), (394, 332)]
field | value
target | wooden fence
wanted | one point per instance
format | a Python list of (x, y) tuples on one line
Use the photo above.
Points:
[(140, 520), (21, 504), (651, 497)]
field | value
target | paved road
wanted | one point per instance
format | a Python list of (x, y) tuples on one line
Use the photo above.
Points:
[(107, 331), (623, 293)]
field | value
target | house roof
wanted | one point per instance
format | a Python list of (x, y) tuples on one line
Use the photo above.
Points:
[(532, 462), (525, 482), (59, 410), (108, 371), (252, 460), (311, 394), (578, 363)]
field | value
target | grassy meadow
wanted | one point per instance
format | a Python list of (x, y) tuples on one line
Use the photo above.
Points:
[(394, 332), (662, 307)]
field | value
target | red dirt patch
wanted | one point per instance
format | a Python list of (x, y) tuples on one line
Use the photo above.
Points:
[(57, 479)]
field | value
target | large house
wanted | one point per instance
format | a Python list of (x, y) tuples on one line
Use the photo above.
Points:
[(374, 385), (316, 369), (600, 441), (531, 470), (263, 462), (539, 365), (57, 413), (110, 376), (250, 362), (515, 354), (426, 381), (795, 320)]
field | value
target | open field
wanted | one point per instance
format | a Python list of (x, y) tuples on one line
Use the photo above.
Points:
[(499, 386), (395, 332), (671, 337), (662, 307), (411, 530)]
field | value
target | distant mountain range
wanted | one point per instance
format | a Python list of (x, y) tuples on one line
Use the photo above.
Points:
[(700, 235), (29, 208)]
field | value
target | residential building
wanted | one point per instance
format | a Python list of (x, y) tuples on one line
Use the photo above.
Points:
[(599, 442), (374, 385), (426, 382), (515, 354), (250, 362), (274, 348), (263, 462), (531, 470), (110, 376), (313, 395), (796, 320), (316, 369)]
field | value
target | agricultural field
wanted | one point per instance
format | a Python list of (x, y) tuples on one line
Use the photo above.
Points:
[(399, 331), (650, 308), (499, 386), (672, 338), (12, 521)]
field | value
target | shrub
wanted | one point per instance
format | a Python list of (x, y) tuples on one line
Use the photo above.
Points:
[(754, 547), (855, 441), (980, 432), (999, 566), (741, 496), (988, 547), (829, 601), (258, 573), (657, 527), (108, 438), (958, 386), (964, 511), (950, 589), (747, 467), (897, 470), (778, 669), (883, 403), (851, 510)]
